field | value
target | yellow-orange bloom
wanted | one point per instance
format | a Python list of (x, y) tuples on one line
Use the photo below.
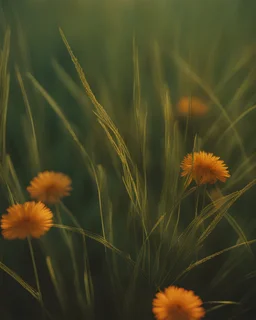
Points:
[(29, 219), (204, 168), (177, 304), (50, 187), (193, 106)]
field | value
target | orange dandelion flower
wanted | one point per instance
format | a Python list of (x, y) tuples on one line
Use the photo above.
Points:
[(50, 187), (23, 220), (177, 304), (193, 106), (204, 168)]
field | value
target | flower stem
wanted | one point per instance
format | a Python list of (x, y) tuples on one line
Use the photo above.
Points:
[(88, 285), (196, 215), (197, 201), (36, 274), (70, 247), (203, 204)]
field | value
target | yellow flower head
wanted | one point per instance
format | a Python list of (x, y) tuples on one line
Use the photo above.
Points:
[(204, 168), (23, 220), (193, 106), (177, 304), (50, 187)]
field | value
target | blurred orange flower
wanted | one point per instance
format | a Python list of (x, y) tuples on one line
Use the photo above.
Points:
[(204, 168), (193, 106), (177, 304), (50, 187), (23, 220)]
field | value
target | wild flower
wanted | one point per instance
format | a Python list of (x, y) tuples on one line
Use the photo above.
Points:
[(177, 304), (204, 168), (50, 187), (24, 220)]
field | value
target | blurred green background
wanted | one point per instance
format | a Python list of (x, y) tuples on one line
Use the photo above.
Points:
[(217, 39)]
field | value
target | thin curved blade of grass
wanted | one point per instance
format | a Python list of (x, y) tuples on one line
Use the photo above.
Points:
[(70, 245), (243, 169), (234, 123), (165, 194), (142, 183), (6, 182), (17, 187), (18, 279), (233, 70), (100, 179), (57, 287), (98, 239), (137, 271), (207, 212), (140, 113), (188, 118), (217, 196), (222, 302), (240, 92), (239, 231), (177, 203), (145, 249), (70, 215), (38, 286), (251, 275), (215, 221), (222, 213), (111, 260), (171, 196), (175, 230), (217, 307), (4, 90), (88, 284), (159, 220), (71, 86), (210, 210), (53, 104), (5, 52), (139, 267), (136, 81), (32, 140), (212, 256), (232, 262), (157, 68), (188, 236), (213, 207)]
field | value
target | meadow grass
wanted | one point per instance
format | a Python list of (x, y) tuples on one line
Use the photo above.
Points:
[(156, 229)]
